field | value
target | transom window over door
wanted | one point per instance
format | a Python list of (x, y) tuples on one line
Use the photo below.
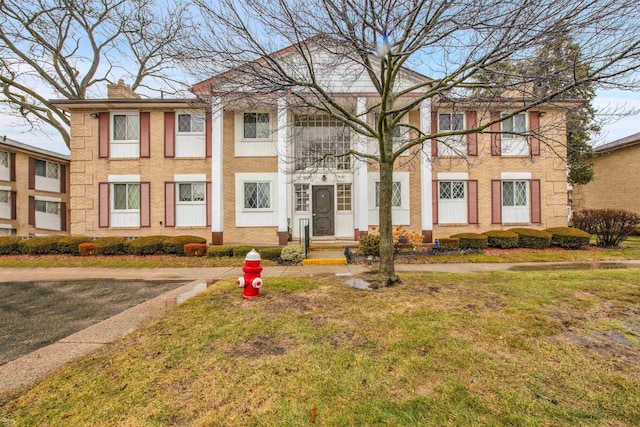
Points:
[(515, 201), (257, 195), (256, 126), (320, 142)]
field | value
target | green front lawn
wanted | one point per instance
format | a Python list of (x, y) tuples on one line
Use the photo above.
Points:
[(544, 348)]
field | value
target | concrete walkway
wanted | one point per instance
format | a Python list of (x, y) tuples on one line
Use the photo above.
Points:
[(20, 374)]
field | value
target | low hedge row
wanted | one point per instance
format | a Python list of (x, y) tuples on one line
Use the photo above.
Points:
[(502, 239), (272, 253), (568, 238), (151, 245), (530, 238), (471, 240)]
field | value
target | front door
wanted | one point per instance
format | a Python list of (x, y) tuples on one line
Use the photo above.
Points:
[(323, 214)]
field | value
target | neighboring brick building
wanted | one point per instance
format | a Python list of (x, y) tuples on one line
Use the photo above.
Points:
[(237, 172), (616, 184), (33, 190)]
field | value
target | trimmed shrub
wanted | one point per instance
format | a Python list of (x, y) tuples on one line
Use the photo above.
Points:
[(370, 245), (270, 253), (220, 251), (471, 240), (195, 249), (449, 243), (636, 231), (241, 251), (293, 253), (69, 244), (148, 245), (39, 245), (610, 226), (9, 245), (110, 245), (87, 249), (174, 245), (568, 238), (502, 239), (530, 238)]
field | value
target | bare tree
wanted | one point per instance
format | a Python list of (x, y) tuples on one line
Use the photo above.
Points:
[(453, 42), (65, 48)]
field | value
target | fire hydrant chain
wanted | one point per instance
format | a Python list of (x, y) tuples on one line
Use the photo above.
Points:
[(251, 281)]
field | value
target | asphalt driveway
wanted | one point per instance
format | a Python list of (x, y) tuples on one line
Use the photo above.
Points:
[(36, 314)]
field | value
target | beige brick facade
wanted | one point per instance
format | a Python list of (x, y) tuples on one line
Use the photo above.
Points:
[(616, 183)]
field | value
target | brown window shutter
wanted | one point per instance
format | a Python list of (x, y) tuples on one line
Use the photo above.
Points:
[(14, 205), (63, 216), (12, 167), (534, 127), (32, 210), (496, 201), (170, 204), (103, 205), (434, 201), (434, 129), (145, 204), (472, 138), (169, 134), (145, 135), (63, 178), (32, 173), (496, 138), (208, 126), (208, 199), (103, 135), (536, 208), (472, 201)]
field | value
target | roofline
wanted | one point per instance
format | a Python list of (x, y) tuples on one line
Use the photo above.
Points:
[(619, 143), (200, 86), (8, 142), (105, 104)]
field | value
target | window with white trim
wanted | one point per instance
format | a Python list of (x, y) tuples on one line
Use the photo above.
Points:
[(452, 202), (4, 159), (5, 173), (190, 123), (256, 125), (396, 194), (302, 197), (515, 201), (5, 231), (344, 197), (191, 205), (257, 195), (453, 145), (5, 204), (125, 204), (47, 169), (125, 135), (513, 140), (47, 215)]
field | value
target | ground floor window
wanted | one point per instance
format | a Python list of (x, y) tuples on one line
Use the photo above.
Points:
[(396, 194), (191, 206), (344, 197), (302, 197), (125, 204), (452, 202), (515, 201), (257, 195)]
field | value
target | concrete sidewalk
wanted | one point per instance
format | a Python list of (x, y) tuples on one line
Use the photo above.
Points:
[(22, 373)]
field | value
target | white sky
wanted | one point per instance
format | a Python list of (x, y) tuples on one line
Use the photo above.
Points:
[(606, 102)]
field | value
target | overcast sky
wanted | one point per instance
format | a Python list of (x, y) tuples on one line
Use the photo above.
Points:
[(606, 102)]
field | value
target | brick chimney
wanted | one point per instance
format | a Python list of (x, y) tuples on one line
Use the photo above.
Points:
[(121, 91)]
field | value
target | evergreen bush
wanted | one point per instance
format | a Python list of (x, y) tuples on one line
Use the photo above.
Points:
[(568, 238), (220, 251), (9, 245), (293, 253), (502, 239), (530, 238), (471, 240), (370, 245)]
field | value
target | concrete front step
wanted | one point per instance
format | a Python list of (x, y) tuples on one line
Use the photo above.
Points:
[(325, 257), (324, 261)]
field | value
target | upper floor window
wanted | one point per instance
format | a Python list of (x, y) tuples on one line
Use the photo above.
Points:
[(5, 204), (452, 145), (125, 140), (257, 195), (190, 123), (256, 126), (514, 142), (47, 169), (5, 173), (321, 142)]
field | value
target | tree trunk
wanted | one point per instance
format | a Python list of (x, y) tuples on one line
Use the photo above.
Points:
[(387, 273)]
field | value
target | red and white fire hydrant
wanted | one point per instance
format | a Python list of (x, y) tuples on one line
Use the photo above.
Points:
[(251, 281)]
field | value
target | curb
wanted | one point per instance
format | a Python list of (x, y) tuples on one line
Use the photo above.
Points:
[(18, 375)]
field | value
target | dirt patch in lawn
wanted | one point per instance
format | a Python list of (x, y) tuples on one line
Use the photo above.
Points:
[(263, 345), (36, 314)]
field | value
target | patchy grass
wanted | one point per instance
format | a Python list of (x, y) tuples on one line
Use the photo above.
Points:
[(549, 348)]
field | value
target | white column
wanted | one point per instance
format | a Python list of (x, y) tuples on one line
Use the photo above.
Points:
[(283, 210), (217, 208), (361, 192), (426, 168)]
